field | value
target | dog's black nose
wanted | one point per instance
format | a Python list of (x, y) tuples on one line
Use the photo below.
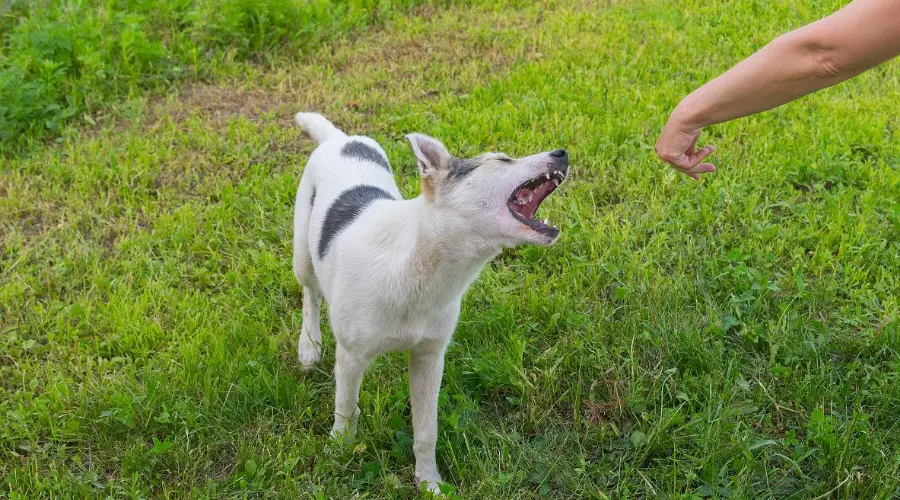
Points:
[(559, 153)]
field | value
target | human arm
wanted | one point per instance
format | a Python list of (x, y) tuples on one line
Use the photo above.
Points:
[(863, 34)]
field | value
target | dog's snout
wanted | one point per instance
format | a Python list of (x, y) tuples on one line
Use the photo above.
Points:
[(560, 157), (559, 153)]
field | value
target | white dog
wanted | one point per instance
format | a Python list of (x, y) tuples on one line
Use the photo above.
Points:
[(394, 271)]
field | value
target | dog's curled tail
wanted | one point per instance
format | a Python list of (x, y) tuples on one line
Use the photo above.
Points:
[(317, 126)]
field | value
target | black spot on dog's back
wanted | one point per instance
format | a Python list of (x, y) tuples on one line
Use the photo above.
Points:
[(362, 151), (345, 209), (312, 198)]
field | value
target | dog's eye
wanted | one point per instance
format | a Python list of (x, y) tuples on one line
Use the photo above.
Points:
[(504, 158)]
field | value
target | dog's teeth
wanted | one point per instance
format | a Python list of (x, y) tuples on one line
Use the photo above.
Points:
[(547, 176), (556, 181)]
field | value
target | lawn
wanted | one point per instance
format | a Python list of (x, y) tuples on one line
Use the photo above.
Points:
[(733, 337)]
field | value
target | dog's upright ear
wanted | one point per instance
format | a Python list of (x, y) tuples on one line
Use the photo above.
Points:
[(432, 158), (431, 155)]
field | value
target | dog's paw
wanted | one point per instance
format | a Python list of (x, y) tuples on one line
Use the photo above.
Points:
[(342, 437), (341, 444), (432, 485), (339, 441), (309, 355)]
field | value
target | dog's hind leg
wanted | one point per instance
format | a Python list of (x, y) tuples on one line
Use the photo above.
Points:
[(309, 346)]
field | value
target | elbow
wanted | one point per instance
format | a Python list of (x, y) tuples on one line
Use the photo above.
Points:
[(825, 59), (819, 58), (825, 66)]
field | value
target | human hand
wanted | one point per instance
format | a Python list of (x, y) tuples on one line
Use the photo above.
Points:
[(677, 145)]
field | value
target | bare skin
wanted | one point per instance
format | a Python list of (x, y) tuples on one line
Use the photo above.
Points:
[(860, 36)]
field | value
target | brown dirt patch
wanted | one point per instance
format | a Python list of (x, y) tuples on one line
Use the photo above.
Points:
[(224, 465), (30, 222), (436, 53), (609, 407), (221, 104)]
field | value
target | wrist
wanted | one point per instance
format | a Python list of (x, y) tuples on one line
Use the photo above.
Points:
[(687, 115)]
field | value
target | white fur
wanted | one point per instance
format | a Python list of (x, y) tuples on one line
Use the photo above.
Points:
[(395, 277)]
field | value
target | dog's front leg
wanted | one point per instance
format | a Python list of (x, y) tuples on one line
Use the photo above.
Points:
[(348, 374), (426, 366)]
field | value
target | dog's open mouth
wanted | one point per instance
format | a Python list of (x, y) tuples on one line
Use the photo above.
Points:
[(526, 199)]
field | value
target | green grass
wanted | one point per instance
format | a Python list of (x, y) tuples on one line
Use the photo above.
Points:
[(736, 337), (68, 62)]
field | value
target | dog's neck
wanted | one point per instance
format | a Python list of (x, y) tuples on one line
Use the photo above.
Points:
[(447, 252)]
